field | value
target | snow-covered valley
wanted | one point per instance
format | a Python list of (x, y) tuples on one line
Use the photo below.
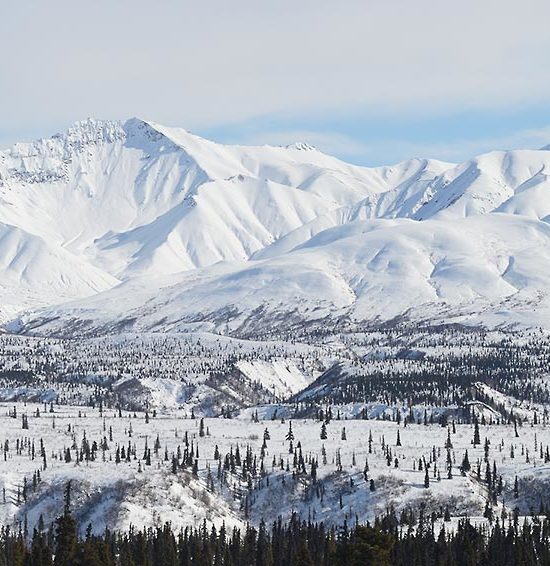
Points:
[(150, 279)]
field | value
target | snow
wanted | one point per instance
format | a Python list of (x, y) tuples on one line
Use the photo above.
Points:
[(138, 198), (282, 377), (365, 270), (168, 272)]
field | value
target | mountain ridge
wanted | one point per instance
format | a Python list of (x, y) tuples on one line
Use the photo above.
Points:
[(263, 229)]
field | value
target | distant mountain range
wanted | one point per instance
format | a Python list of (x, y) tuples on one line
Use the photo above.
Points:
[(135, 226)]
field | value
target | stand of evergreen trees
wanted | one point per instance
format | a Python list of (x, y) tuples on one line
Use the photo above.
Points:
[(414, 365), (289, 543)]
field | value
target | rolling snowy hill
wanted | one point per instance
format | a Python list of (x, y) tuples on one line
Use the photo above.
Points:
[(137, 226)]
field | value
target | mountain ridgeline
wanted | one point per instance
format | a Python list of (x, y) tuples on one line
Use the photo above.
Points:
[(135, 226)]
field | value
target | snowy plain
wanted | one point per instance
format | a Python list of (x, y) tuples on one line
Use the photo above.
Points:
[(117, 495)]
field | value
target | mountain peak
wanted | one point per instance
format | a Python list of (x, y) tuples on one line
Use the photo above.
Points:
[(94, 131), (91, 130), (301, 146), (139, 127)]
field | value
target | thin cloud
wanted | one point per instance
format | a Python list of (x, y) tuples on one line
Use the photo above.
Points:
[(465, 148), (393, 150)]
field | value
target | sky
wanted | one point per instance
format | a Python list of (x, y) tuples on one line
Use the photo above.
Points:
[(372, 81)]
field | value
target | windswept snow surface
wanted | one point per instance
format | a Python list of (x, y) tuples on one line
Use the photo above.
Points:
[(136, 226)]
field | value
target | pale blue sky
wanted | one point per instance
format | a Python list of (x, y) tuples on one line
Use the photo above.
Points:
[(372, 81), (362, 138)]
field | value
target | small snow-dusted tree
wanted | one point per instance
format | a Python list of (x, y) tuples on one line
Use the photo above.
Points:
[(448, 442), (338, 460), (289, 435)]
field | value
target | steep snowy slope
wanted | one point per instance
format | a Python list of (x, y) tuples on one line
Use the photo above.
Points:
[(137, 198), (481, 185), (148, 199), (35, 272)]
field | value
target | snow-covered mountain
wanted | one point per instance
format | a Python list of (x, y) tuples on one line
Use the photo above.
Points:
[(151, 228)]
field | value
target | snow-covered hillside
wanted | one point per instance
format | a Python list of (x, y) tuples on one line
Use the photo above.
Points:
[(481, 269), (144, 227)]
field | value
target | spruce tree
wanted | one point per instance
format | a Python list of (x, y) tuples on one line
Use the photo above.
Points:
[(477, 439), (66, 542), (465, 466)]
